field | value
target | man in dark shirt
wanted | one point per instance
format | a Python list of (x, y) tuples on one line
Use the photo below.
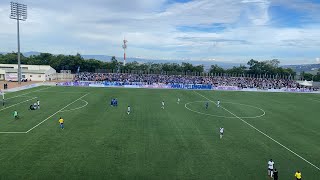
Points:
[(275, 174)]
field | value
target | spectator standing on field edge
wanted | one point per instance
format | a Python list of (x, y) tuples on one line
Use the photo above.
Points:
[(275, 174)]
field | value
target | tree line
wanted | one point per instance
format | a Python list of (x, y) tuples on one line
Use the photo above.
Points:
[(253, 68)]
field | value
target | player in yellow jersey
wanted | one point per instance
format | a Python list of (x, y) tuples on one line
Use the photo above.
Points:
[(298, 175), (61, 121)]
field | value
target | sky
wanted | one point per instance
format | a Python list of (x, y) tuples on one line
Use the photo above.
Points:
[(208, 30)]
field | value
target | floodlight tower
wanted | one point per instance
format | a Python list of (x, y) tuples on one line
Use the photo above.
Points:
[(18, 12), (124, 46)]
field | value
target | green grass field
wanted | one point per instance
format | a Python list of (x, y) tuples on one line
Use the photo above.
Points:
[(180, 142)]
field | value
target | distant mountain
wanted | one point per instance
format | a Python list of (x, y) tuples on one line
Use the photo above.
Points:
[(26, 54), (98, 57), (207, 64), (312, 68), (31, 53)]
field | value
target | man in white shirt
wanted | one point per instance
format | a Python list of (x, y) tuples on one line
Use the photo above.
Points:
[(221, 132), (35, 105), (38, 104), (270, 168), (129, 110), (178, 101), (218, 103), (162, 105)]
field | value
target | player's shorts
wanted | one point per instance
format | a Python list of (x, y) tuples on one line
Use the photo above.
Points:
[(221, 133)]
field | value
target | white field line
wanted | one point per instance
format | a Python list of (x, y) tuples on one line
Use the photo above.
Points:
[(225, 102), (56, 113), (315, 100), (17, 103), (27, 93), (13, 132), (86, 103), (263, 133), (69, 92)]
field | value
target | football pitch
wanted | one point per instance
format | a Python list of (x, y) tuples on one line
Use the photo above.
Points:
[(179, 142)]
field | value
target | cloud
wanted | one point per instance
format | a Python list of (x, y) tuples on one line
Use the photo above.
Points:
[(229, 30)]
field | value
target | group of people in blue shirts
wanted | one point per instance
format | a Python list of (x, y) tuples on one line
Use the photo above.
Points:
[(114, 102)]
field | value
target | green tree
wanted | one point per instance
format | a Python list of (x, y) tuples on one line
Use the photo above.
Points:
[(237, 70), (215, 69), (306, 76)]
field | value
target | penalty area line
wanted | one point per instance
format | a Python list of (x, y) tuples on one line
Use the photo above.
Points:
[(56, 112), (17, 103), (28, 93), (13, 132), (262, 133)]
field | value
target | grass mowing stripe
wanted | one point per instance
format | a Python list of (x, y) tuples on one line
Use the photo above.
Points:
[(56, 112), (28, 93), (61, 92), (262, 133)]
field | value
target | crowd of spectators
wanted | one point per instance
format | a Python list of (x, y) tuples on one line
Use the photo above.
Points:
[(242, 82)]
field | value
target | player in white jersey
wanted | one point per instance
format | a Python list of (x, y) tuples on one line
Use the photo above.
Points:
[(218, 103), (270, 168), (35, 105), (129, 110), (38, 104), (221, 132), (178, 101), (162, 107)]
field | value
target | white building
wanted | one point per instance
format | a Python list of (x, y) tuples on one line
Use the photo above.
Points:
[(2, 74), (29, 72)]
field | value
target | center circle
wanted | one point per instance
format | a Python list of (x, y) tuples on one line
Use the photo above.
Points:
[(187, 106), (77, 106)]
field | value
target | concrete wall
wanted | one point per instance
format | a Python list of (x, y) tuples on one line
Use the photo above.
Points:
[(64, 76), (2, 74), (28, 67), (316, 84), (34, 76), (50, 74)]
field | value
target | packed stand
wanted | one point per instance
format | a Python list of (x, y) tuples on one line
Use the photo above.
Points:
[(242, 82)]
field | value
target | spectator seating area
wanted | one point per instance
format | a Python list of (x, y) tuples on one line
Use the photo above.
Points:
[(242, 82)]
